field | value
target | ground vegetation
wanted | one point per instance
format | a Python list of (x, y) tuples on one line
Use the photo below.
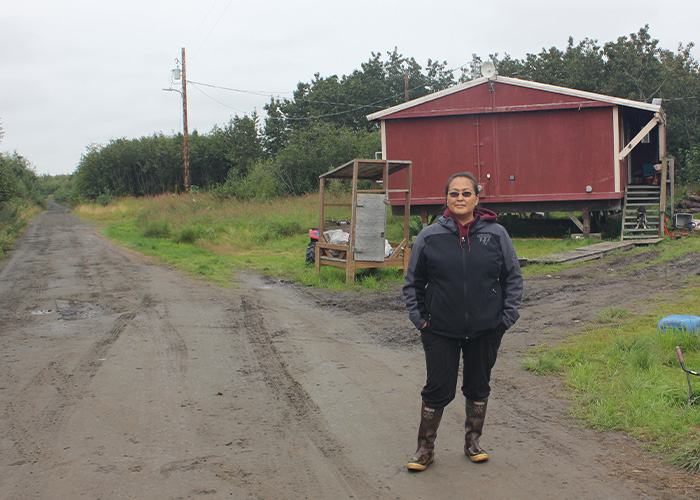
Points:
[(20, 197)]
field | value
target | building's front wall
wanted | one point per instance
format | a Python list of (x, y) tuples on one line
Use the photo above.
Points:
[(562, 154)]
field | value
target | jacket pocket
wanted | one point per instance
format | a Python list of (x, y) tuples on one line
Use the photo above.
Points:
[(444, 312), (487, 307)]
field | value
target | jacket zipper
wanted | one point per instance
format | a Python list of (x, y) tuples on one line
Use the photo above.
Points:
[(464, 282)]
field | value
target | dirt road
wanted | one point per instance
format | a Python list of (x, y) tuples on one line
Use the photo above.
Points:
[(123, 379)]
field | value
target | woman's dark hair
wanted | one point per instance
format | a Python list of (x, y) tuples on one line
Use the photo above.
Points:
[(468, 175)]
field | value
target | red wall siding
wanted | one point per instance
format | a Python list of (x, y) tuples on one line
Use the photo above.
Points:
[(438, 147), (553, 154)]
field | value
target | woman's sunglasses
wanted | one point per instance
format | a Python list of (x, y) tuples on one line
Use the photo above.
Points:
[(456, 194)]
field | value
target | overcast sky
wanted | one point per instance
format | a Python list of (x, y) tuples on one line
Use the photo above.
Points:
[(79, 72)]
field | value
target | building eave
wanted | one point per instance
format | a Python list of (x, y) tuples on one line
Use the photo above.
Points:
[(613, 101)]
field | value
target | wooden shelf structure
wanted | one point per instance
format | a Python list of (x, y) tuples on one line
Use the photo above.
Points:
[(366, 242)]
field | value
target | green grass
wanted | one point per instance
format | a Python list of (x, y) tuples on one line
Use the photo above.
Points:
[(543, 361), (210, 239), (625, 376), (14, 217), (530, 248), (192, 259), (612, 314), (270, 237)]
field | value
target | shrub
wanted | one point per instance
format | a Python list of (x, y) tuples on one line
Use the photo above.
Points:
[(276, 229), (688, 166), (104, 199), (187, 234), (259, 184), (156, 229), (9, 214)]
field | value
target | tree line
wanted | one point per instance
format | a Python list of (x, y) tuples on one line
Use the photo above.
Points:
[(20, 190), (324, 124)]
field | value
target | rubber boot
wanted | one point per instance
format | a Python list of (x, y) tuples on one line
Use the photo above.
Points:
[(476, 413), (427, 432)]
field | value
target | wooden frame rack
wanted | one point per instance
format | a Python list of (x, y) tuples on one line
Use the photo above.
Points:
[(350, 256)]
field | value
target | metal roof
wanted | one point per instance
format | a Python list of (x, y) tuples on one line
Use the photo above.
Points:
[(521, 83), (366, 169)]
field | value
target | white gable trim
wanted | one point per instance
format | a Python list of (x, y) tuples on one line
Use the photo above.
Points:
[(520, 83)]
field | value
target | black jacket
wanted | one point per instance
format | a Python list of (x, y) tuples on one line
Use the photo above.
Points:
[(461, 288)]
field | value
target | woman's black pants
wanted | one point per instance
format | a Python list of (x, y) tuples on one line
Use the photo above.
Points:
[(442, 362)]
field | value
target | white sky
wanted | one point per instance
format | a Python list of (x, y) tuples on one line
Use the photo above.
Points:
[(81, 72)]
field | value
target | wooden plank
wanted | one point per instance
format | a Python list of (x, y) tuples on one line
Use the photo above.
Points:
[(407, 208), (326, 262), (321, 219), (325, 259), (350, 265), (664, 168), (582, 254), (638, 138), (616, 148), (575, 220), (332, 246)]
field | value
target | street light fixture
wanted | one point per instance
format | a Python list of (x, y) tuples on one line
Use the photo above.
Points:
[(177, 74)]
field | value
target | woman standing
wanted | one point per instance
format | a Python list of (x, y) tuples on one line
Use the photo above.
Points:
[(462, 289)]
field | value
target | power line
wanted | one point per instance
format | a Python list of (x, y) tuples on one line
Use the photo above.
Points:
[(679, 98), (276, 94), (254, 92), (214, 26), (357, 107), (201, 24), (304, 118), (196, 86)]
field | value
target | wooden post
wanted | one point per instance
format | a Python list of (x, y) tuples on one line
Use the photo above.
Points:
[(321, 219), (407, 219), (185, 146), (405, 84), (350, 258), (664, 177)]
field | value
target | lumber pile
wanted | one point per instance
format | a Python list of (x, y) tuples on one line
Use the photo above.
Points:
[(690, 203)]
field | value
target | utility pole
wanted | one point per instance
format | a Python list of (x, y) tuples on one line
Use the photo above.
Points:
[(185, 147), (405, 84)]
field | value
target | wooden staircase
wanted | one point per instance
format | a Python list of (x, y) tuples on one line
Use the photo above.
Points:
[(645, 196)]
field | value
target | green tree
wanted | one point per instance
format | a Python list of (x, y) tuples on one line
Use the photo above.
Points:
[(632, 67), (9, 184), (18, 181), (275, 134), (231, 150), (346, 100), (317, 149)]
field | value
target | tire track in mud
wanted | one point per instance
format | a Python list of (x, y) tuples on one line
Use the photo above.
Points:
[(306, 413), (32, 434), (171, 349), (25, 275)]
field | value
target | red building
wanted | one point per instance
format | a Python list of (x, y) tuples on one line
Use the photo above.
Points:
[(533, 147)]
